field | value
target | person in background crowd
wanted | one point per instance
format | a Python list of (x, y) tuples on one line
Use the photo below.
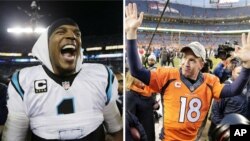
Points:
[(237, 104), (119, 101), (134, 129), (171, 58), (157, 53), (140, 103), (223, 70), (152, 62), (164, 56), (3, 106)]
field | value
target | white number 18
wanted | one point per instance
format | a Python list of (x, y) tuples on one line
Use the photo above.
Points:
[(194, 106)]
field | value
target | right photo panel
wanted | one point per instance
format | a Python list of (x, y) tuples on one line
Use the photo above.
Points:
[(187, 70)]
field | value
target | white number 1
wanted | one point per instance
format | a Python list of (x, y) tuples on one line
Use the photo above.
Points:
[(194, 106)]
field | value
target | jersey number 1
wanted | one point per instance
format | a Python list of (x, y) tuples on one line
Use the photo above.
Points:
[(194, 105), (66, 106)]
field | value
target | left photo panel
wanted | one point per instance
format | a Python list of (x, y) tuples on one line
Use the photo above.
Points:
[(61, 70)]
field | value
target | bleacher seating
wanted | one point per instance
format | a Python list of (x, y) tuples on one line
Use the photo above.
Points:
[(179, 40), (208, 27), (153, 7)]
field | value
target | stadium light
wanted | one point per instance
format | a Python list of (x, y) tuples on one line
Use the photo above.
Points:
[(114, 47), (109, 55), (24, 60), (94, 48), (10, 54), (19, 30)]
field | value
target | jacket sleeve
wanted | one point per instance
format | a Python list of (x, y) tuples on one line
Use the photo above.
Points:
[(134, 63)]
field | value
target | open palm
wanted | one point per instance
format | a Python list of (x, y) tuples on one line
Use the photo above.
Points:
[(244, 52), (132, 21)]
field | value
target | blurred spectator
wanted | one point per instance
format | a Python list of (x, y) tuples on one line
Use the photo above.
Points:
[(157, 53), (237, 104), (207, 66), (164, 56), (171, 58), (140, 103), (145, 57), (223, 70), (152, 62), (134, 129), (3, 105), (5, 80), (141, 52), (119, 101)]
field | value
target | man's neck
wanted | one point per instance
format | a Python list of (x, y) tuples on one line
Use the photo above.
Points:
[(193, 78), (60, 78)]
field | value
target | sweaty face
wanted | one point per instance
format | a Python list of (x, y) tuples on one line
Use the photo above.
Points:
[(191, 65), (64, 49)]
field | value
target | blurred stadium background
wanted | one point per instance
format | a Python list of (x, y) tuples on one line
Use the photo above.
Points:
[(211, 22), (22, 22), (208, 22)]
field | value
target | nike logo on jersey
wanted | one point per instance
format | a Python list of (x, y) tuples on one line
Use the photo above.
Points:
[(177, 84), (66, 85), (40, 86)]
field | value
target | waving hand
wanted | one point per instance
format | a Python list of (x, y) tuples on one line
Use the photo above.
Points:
[(244, 52), (132, 21)]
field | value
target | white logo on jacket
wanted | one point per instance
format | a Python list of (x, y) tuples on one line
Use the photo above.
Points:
[(177, 84)]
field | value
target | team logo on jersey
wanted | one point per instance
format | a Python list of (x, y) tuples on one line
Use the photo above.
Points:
[(40, 86), (191, 88), (177, 84), (66, 85)]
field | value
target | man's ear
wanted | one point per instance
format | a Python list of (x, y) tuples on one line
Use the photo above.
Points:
[(202, 64)]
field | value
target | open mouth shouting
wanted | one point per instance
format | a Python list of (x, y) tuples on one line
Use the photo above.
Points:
[(68, 53)]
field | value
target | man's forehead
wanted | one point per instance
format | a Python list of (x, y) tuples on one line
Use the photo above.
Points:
[(61, 22), (74, 27)]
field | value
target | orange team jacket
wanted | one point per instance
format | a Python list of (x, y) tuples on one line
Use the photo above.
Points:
[(147, 92), (184, 107)]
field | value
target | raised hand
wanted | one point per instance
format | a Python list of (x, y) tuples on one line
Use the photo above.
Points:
[(132, 21), (244, 52)]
